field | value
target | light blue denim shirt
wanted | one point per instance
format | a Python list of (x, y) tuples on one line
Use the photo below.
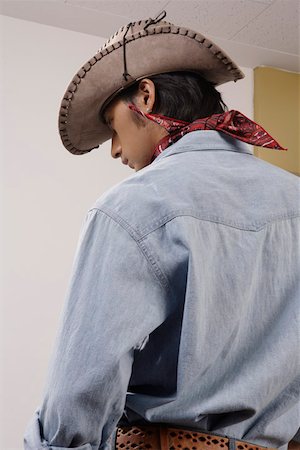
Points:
[(183, 305)]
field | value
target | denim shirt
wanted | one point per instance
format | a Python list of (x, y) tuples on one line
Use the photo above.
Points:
[(183, 304)]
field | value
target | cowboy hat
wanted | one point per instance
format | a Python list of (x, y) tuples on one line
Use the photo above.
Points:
[(137, 50)]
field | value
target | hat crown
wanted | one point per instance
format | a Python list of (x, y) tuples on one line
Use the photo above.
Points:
[(131, 29)]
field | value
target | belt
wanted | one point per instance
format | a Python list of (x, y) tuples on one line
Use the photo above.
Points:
[(165, 438)]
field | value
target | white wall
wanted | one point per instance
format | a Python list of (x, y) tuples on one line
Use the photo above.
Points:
[(46, 193), (239, 95)]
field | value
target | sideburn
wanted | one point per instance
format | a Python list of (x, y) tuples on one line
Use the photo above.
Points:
[(138, 119)]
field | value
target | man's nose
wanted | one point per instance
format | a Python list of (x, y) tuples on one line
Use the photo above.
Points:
[(116, 148)]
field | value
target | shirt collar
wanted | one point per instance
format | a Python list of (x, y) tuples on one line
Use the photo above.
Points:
[(205, 140)]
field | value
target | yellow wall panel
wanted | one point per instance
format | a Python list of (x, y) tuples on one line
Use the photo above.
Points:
[(277, 109)]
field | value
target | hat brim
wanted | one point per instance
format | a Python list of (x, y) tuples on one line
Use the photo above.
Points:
[(158, 49)]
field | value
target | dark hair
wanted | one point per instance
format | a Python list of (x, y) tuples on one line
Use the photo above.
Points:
[(181, 95)]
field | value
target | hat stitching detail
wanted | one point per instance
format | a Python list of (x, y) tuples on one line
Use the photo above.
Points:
[(108, 49), (93, 60)]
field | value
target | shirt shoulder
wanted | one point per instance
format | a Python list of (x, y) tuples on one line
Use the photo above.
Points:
[(222, 186), (138, 200)]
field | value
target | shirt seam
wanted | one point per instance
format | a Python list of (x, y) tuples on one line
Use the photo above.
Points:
[(157, 271), (138, 236), (214, 219)]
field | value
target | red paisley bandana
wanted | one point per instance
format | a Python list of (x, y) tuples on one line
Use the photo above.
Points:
[(232, 122)]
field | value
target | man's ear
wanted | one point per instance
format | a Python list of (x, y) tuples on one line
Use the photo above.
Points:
[(146, 95)]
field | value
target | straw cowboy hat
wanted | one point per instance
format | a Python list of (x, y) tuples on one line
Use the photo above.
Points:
[(137, 50)]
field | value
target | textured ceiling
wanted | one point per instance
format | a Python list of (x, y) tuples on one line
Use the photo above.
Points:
[(252, 32)]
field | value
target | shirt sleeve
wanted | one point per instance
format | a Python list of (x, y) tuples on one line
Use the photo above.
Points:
[(116, 297)]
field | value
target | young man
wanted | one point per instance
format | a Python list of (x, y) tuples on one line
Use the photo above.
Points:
[(180, 328)]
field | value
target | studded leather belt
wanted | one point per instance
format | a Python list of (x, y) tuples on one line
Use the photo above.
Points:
[(164, 438)]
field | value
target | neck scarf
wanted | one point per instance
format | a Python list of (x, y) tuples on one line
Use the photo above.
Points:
[(232, 122)]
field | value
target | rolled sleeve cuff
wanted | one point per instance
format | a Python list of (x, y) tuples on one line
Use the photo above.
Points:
[(33, 440)]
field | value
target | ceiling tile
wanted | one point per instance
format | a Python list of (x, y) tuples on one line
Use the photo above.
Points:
[(131, 9), (217, 17), (247, 55), (263, 1), (252, 32), (278, 28), (65, 14)]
